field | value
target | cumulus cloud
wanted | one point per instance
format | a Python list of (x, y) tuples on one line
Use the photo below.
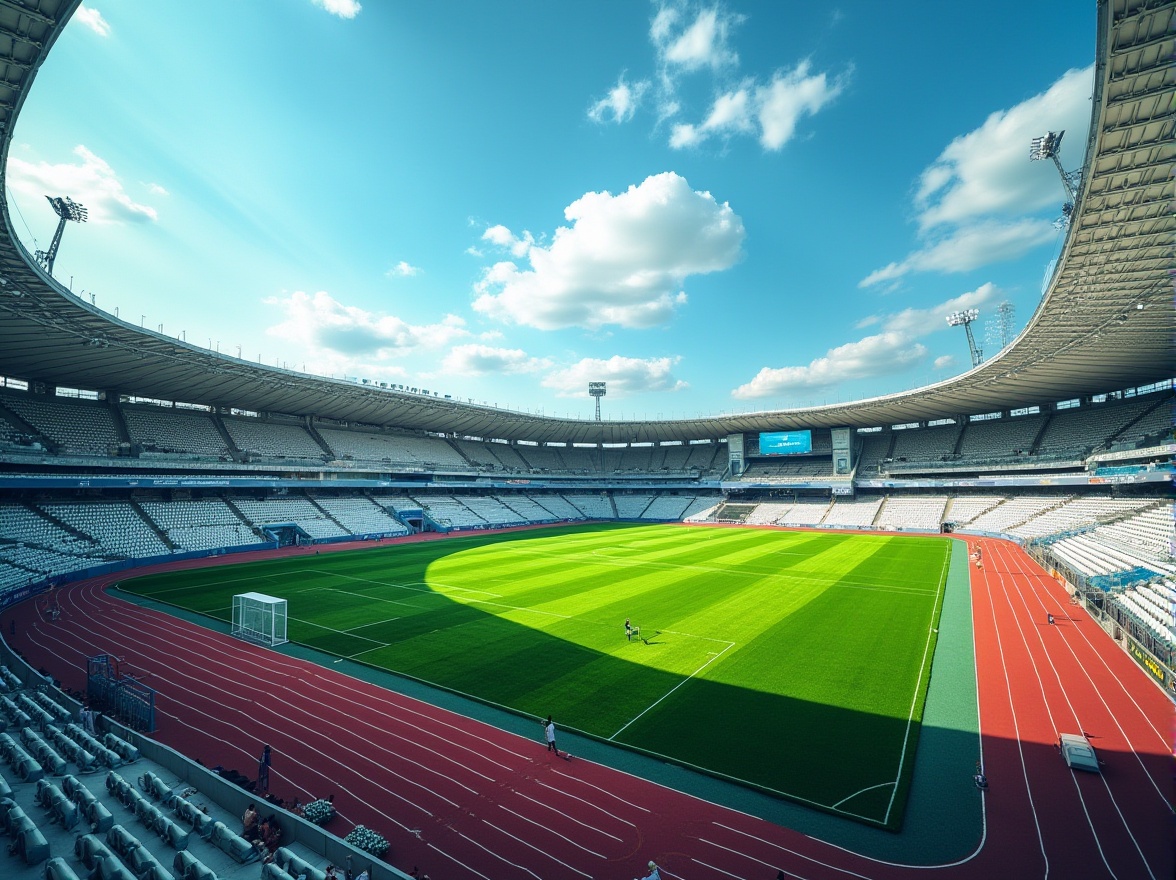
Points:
[(625, 376), (474, 359), (404, 270), (622, 260), (342, 8), (945, 362), (972, 203), (90, 182), (502, 237), (92, 18), (156, 190), (873, 356), (989, 241), (620, 103), (893, 349), (988, 171), (330, 330)]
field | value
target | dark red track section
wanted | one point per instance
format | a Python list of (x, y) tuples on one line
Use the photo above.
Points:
[(462, 799)]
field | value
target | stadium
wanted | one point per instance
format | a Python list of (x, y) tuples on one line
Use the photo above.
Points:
[(927, 633)]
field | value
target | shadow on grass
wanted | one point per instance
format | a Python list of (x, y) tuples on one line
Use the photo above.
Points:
[(837, 758)]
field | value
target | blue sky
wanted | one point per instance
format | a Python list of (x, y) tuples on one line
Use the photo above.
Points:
[(713, 207)]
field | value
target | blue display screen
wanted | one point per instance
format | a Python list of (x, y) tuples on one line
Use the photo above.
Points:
[(786, 443)]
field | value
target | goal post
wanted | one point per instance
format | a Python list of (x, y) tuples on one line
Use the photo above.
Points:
[(259, 619)]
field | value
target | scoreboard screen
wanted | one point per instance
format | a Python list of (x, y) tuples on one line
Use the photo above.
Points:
[(786, 443)]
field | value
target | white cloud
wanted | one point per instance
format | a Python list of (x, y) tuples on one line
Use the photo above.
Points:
[(769, 111), (889, 351), (92, 18), (873, 356), (620, 103), (156, 190), (688, 37), (988, 171), (945, 362), (404, 270), (970, 247), (475, 360), (91, 183), (972, 203), (502, 237), (622, 260), (788, 97), (920, 322), (341, 8), (330, 330), (703, 42), (624, 375)]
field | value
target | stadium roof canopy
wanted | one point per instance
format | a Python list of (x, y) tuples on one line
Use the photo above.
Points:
[(1106, 321)]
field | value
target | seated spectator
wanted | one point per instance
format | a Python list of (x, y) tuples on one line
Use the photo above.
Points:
[(250, 822)]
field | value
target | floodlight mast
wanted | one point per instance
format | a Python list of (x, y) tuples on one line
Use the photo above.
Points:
[(66, 209), (597, 390), (965, 318), (1047, 147)]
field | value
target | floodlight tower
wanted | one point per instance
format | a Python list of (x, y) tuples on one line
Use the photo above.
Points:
[(998, 330), (1047, 147), (965, 318), (66, 209), (597, 390)]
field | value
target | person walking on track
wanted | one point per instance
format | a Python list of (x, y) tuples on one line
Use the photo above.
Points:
[(549, 732)]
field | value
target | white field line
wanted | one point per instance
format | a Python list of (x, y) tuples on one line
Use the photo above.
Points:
[(730, 645), (906, 737)]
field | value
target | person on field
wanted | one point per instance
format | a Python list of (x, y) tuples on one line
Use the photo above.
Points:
[(549, 732), (628, 630), (263, 768), (1049, 619)]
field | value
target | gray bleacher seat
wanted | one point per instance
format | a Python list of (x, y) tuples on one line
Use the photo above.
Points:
[(59, 869), (187, 867), (234, 845), (297, 867)]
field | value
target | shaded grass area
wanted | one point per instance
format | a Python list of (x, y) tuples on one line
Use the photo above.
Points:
[(796, 662)]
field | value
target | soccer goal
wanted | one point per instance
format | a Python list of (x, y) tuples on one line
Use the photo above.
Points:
[(259, 619)]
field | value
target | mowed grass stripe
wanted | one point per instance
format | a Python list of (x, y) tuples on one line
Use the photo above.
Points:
[(789, 660)]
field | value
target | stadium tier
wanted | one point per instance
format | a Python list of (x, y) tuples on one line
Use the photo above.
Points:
[(150, 449)]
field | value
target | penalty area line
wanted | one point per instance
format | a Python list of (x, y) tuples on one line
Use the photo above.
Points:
[(730, 645)]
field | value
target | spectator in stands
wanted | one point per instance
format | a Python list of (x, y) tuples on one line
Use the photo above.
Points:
[(249, 821), (270, 837)]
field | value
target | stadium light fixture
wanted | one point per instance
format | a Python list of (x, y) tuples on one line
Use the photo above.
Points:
[(1048, 146), (597, 390), (67, 210), (964, 318)]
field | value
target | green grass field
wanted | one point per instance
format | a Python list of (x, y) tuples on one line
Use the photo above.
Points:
[(796, 662)]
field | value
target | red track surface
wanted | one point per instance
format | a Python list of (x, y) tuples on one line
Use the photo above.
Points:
[(462, 799)]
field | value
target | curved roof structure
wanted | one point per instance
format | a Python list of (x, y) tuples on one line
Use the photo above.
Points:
[(1107, 319)]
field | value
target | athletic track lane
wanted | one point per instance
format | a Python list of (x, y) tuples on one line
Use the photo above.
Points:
[(462, 799)]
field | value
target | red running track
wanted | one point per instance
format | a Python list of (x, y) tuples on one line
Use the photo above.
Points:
[(462, 799)]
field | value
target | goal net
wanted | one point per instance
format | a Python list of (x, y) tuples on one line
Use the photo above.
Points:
[(259, 619)]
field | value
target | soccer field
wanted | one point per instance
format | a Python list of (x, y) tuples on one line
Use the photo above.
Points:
[(796, 662)]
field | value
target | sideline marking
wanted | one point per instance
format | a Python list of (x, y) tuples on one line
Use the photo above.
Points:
[(730, 645), (918, 681)]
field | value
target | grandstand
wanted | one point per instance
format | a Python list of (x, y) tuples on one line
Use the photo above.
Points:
[(1063, 442)]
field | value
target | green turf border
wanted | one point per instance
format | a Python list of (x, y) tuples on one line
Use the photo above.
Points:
[(944, 814)]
